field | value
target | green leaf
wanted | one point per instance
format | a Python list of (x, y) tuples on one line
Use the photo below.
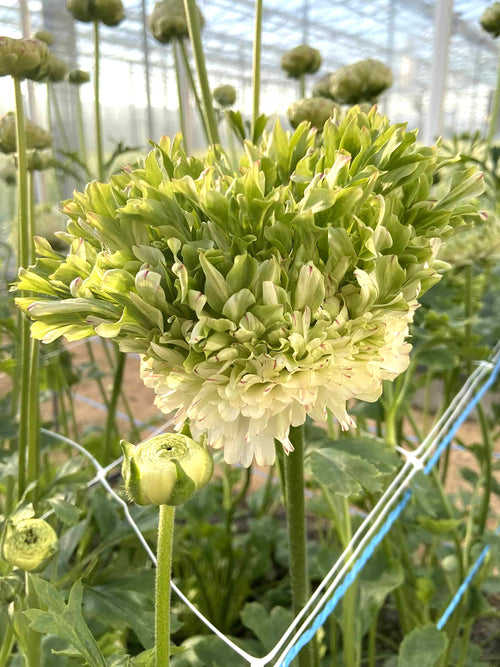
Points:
[(378, 579), (65, 620), (422, 648), (439, 526), (66, 512), (268, 628)]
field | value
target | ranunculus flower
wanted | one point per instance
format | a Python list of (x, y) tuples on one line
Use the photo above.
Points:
[(314, 110), (301, 60), (36, 137), (261, 296), (29, 544)]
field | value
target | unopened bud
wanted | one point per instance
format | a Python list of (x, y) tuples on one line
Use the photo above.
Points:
[(36, 137), (225, 96), (57, 69), (490, 19), (44, 36), (78, 76), (314, 110), (110, 12), (23, 58), (301, 60), (168, 21), (165, 470)]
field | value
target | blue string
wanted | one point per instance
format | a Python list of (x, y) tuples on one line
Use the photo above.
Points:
[(329, 607)]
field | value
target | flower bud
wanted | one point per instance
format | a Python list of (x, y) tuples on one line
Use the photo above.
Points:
[(225, 96), (38, 161), (78, 76), (110, 12), (363, 81), (315, 110), (36, 137), (23, 58), (168, 21), (44, 36), (82, 10), (57, 68), (29, 544), (165, 470), (490, 19), (301, 60), (11, 587), (322, 87)]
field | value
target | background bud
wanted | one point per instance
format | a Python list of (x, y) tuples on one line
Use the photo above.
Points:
[(8, 174), (78, 76), (322, 87), (82, 10), (165, 470), (110, 12), (57, 68), (301, 60), (168, 21), (363, 81), (44, 36), (315, 110), (225, 96), (39, 161), (490, 19), (36, 137), (23, 58), (29, 544)]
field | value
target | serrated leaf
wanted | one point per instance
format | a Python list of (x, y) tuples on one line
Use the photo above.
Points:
[(66, 512)]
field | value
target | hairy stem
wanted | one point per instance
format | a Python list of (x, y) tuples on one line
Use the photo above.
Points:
[(163, 574), (115, 393)]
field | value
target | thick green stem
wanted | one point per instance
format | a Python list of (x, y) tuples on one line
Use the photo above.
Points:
[(110, 421), (257, 49), (81, 128), (24, 253), (97, 105), (163, 574), (178, 76), (199, 58), (33, 644), (372, 643), (193, 88), (294, 480), (352, 653), (492, 126)]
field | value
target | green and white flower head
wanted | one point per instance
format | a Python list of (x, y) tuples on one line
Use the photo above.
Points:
[(29, 544), (165, 470), (256, 297)]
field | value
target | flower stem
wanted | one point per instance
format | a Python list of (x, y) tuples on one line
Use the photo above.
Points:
[(7, 645), (81, 128), (178, 76), (199, 58), (294, 481), (352, 653), (97, 104), (115, 393), (23, 258), (163, 574), (257, 48), (302, 86), (59, 119), (492, 126), (487, 473), (193, 88)]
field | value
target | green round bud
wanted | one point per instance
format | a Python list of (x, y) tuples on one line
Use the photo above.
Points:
[(78, 76), (36, 137), (165, 470), (450, 564), (44, 36), (490, 19), (363, 81), (38, 161), (11, 587), (23, 58), (82, 10), (225, 96), (57, 69), (301, 60), (110, 12), (315, 110), (29, 544), (168, 21)]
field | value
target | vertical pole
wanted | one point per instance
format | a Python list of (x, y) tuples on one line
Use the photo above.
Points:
[(442, 30), (305, 21), (145, 50), (391, 29)]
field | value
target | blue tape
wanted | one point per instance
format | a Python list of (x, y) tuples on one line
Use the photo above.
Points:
[(321, 618)]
